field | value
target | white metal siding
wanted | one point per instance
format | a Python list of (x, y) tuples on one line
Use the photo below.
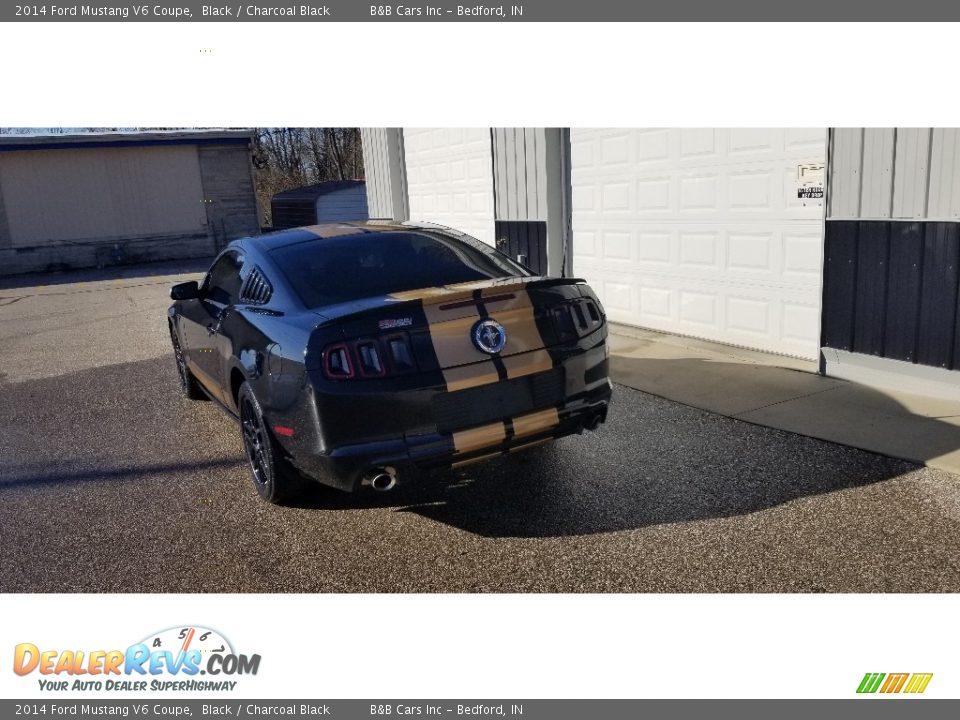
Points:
[(450, 178), (699, 232), (911, 175), (877, 175), (894, 173), (846, 157), (520, 180), (101, 193), (376, 172), (383, 168), (945, 174)]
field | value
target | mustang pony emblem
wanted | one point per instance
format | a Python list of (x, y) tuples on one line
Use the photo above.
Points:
[(489, 336)]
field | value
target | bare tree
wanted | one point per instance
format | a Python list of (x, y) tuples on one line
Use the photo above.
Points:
[(288, 158)]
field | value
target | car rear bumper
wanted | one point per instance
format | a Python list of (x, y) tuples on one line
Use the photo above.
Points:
[(349, 467), (347, 431)]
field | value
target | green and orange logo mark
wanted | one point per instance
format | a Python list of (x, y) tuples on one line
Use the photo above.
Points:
[(913, 683)]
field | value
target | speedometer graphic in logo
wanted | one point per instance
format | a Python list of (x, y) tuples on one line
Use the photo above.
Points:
[(184, 639)]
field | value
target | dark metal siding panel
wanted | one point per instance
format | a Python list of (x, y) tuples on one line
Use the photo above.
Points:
[(938, 302), (294, 213), (902, 312), (893, 289), (956, 336), (521, 237), (839, 284), (871, 288)]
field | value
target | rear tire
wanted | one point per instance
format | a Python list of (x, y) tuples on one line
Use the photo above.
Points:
[(273, 477), (188, 383)]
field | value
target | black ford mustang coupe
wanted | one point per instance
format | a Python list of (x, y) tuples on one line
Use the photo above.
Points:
[(355, 354)]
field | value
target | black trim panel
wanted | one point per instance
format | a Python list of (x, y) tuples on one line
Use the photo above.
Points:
[(524, 237), (498, 401)]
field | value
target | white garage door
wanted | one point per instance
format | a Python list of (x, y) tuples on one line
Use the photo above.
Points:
[(699, 232), (450, 178)]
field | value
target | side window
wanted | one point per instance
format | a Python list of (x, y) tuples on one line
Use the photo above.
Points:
[(223, 282)]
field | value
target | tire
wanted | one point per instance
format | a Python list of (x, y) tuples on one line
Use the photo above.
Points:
[(188, 383), (273, 477)]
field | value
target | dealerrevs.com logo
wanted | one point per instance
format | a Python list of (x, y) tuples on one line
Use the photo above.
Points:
[(172, 659)]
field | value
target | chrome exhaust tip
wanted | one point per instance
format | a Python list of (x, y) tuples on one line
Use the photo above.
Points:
[(382, 479)]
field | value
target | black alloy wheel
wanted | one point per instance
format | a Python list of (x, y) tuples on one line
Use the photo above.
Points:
[(275, 480), (188, 383)]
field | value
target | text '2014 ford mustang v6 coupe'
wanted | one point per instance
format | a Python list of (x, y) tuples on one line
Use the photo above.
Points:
[(354, 354)]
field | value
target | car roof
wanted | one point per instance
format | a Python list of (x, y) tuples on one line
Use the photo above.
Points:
[(293, 236)]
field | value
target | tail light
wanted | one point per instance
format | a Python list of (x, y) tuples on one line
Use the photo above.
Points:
[(369, 358), (336, 362), (573, 320)]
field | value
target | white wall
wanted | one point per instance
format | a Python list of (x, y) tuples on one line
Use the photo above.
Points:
[(450, 178)]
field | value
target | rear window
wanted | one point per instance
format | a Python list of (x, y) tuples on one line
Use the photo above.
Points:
[(333, 270)]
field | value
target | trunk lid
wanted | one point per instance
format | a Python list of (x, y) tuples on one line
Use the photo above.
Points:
[(474, 333)]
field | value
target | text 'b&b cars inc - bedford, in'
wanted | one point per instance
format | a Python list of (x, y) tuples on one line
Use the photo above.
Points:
[(356, 354)]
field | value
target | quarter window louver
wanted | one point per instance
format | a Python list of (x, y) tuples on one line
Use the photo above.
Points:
[(256, 290)]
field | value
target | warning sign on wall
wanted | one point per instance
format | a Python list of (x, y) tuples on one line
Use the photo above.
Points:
[(810, 183)]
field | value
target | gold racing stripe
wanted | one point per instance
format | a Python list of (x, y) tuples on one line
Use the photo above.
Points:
[(516, 316), (442, 293), (451, 317), (470, 376), (485, 436), (479, 437), (535, 422), (451, 335), (427, 295), (332, 230), (528, 363)]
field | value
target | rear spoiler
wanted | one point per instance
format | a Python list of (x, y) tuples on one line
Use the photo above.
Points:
[(551, 281)]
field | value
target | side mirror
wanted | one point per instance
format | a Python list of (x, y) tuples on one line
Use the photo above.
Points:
[(185, 291)]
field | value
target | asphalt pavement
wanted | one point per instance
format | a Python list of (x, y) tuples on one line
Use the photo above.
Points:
[(110, 481)]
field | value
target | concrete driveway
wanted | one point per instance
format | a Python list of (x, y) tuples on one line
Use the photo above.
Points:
[(109, 481)]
